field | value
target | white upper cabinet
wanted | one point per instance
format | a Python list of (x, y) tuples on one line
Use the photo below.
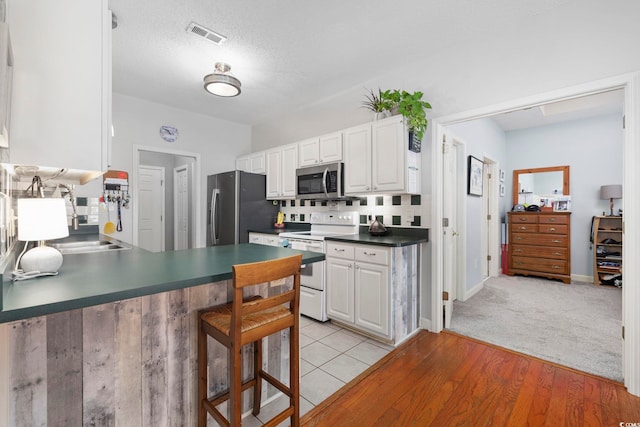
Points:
[(61, 107), (377, 159), (324, 149), (254, 163), (388, 155), (282, 163), (331, 148), (309, 152), (357, 159)]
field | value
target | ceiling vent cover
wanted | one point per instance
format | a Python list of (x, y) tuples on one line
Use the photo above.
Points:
[(206, 33)]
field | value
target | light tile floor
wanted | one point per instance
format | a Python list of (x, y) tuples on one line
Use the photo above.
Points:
[(330, 357)]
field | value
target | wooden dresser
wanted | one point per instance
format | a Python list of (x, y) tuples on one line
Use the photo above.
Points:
[(540, 244)]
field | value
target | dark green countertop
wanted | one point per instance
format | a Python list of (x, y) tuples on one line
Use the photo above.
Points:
[(394, 240), (96, 278)]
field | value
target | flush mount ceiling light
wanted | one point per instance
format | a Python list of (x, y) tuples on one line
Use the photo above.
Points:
[(222, 82)]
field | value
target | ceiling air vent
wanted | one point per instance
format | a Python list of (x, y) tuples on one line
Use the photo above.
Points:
[(205, 33)]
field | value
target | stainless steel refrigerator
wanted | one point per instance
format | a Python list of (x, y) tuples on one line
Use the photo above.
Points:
[(236, 203)]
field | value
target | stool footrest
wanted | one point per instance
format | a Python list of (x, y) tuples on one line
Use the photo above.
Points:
[(224, 396), (276, 383), (287, 413)]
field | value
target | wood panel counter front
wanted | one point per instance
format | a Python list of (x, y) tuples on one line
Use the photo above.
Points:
[(125, 357), (540, 244)]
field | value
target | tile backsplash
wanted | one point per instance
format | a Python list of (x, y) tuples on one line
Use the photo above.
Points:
[(400, 211)]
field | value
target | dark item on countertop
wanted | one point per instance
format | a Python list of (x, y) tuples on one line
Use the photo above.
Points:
[(377, 228)]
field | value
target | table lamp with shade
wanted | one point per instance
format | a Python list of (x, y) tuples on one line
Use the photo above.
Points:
[(610, 192), (40, 219)]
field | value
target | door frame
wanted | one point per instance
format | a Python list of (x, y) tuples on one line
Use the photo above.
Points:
[(459, 252), (630, 83), (162, 203), (197, 194), (491, 228)]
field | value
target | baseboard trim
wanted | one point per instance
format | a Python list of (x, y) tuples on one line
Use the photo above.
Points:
[(582, 278), (471, 292), (425, 324)]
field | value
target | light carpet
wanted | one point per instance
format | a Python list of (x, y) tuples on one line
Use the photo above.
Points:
[(577, 325)]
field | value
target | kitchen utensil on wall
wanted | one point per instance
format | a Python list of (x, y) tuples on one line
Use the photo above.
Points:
[(119, 226), (109, 227)]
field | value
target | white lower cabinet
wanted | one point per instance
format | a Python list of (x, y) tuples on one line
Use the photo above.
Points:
[(358, 287)]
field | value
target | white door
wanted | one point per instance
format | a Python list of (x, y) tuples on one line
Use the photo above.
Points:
[(451, 230), (151, 208), (181, 207), (491, 222)]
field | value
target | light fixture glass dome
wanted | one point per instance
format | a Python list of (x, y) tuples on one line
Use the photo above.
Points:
[(221, 82)]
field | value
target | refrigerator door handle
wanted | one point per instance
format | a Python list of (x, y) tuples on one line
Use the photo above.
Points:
[(215, 196)]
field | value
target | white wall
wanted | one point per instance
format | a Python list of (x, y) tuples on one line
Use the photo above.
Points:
[(137, 122), (593, 149), (481, 137)]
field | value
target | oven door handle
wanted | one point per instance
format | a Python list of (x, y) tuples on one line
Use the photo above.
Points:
[(324, 181)]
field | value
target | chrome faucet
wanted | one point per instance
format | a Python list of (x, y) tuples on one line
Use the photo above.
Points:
[(72, 199)]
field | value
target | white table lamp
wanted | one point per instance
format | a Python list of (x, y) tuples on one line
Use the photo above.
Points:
[(40, 220), (611, 192)]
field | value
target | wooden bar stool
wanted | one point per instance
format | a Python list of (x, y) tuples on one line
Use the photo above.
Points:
[(248, 321)]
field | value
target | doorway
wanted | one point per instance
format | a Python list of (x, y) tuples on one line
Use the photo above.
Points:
[(631, 184), (151, 214), (180, 223)]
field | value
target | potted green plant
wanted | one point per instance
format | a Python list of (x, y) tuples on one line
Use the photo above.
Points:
[(410, 105), (377, 103)]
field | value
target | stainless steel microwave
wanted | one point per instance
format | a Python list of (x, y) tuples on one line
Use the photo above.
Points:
[(320, 182)]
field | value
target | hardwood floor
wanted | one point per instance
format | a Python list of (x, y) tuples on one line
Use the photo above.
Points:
[(446, 379)]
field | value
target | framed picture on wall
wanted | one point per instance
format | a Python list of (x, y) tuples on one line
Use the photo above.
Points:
[(474, 176), (501, 175), (501, 190)]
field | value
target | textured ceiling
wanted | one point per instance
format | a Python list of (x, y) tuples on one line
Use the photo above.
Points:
[(289, 53)]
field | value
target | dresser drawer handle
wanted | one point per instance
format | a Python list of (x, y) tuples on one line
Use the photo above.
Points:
[(552, 229), (523, 228), (523, 219), (555, 241), (556, 267), (552, 220), (520, 263), (518, 250), (369, 253), (518, 238), (556, 253), (338, 250)]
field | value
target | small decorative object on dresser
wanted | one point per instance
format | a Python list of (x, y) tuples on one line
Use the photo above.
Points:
[(540, 244)]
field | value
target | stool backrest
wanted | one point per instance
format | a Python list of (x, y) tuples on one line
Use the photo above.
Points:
[(260, 272)]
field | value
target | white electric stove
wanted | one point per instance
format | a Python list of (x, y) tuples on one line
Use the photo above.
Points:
[(312, 279)]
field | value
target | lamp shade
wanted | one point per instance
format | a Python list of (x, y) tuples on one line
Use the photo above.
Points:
[(42, 219), (611, 192)]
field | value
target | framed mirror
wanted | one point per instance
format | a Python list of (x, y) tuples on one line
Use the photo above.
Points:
[(532, 184)]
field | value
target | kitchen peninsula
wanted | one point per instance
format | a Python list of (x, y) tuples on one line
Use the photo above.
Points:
[(111, 340)]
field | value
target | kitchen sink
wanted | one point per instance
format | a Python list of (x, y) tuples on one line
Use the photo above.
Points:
[(87, 246)]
